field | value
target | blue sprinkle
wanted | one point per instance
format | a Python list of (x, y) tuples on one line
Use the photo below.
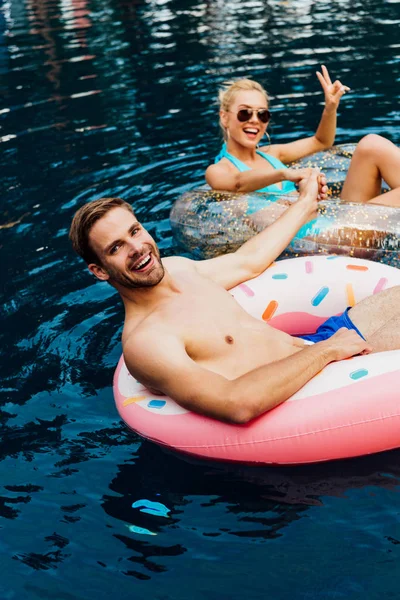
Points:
[(151, 508), (358, 374), (319, 296), (331, 257), (156, 403), (280, 276)]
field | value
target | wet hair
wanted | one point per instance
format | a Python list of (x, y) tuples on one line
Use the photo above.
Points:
[(83, 221), (227, 93)]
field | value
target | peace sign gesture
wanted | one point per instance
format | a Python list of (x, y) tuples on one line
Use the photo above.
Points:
[(333, 91)]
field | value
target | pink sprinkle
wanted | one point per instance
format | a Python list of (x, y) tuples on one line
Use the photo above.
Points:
[(380, 285), (309, 266), (245, 288)]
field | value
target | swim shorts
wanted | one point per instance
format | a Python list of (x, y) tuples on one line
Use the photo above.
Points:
[(327, 329)]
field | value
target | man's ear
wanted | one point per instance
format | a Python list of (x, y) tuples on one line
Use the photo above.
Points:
[(98, 272)]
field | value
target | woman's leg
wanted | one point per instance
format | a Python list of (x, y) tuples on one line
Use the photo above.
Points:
[(374, 159)]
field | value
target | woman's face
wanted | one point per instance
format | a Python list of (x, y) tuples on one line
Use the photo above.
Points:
[(247, 133)]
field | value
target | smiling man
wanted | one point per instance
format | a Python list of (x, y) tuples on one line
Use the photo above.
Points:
[(184, 334)]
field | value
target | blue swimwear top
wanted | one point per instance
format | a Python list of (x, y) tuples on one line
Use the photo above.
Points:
[(287, 186)]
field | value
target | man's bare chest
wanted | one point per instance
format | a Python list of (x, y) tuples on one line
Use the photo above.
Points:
[(212, 324)]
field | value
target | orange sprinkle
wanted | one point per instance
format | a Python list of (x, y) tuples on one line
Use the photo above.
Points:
[(350, 295), (133, 399), (357, 267), (270, 310)]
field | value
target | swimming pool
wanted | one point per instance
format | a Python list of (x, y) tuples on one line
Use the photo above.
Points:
[(117, 98)]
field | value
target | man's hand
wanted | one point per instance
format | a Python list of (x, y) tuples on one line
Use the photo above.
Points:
[(332, 91), (346, 343), (309, 193), (296, 175), (301, 175)]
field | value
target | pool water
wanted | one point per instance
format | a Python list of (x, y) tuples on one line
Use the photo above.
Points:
[(118, 98)]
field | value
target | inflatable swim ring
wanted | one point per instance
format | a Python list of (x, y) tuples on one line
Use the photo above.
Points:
[(334, 163), (350, 409), (207, 223)]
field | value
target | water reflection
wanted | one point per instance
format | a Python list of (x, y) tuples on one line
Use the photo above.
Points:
[(251, 502), (118, 98)]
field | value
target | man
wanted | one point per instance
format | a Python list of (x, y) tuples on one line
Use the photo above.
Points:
[(185, 336)]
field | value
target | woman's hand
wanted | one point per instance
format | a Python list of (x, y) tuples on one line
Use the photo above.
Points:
[(300, 175), (296, 175), (333, 91)]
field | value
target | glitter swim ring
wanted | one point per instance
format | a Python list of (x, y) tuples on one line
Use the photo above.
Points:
[(334, 163), (208, 223), (349, 409)]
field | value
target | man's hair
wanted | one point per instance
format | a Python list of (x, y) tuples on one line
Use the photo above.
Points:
[(83, 221)]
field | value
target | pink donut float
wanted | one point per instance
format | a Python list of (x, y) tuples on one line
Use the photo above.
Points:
[(351, 408)]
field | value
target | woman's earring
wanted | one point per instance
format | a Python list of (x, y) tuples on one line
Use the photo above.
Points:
[(269, 140)]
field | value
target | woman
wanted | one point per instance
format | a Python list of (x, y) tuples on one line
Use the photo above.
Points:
[(242, 166)]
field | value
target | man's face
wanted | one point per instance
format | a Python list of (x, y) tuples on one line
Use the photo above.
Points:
[(128, 255)]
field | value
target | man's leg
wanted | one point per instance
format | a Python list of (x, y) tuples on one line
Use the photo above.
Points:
[(374, 159), (378, 318), (386, 338)]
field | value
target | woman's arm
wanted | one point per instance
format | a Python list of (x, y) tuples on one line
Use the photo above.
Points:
[(221, 177), (325, 135)]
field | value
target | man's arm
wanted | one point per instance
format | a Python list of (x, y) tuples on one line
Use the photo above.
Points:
[(161, 362), (255, 255)]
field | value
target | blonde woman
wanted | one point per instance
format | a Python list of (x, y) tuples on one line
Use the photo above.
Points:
[(243, 166)]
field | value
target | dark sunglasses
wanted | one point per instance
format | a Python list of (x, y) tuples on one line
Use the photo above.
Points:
[(245, 114)]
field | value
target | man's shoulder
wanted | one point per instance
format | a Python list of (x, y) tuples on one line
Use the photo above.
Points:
[(149, 347), (144, 333), (174, 263)]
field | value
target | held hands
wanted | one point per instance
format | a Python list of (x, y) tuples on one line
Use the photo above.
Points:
[(333, 91), (299, 176), (346, 343), (309, 187)]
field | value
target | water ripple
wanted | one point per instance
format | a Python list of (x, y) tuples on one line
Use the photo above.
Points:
[(119, 98)]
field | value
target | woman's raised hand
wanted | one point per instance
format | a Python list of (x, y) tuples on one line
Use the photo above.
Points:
[(332, 91)]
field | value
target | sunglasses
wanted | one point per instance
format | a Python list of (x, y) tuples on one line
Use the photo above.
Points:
[(245, 114)]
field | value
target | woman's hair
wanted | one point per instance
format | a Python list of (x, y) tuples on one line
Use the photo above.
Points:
[(227, 93), (84, 220)]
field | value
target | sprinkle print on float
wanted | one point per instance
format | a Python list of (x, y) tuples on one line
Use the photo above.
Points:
[(270, 310), (319, 296), (350, 408), (246, 289), (381, 285), (351, 300)]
